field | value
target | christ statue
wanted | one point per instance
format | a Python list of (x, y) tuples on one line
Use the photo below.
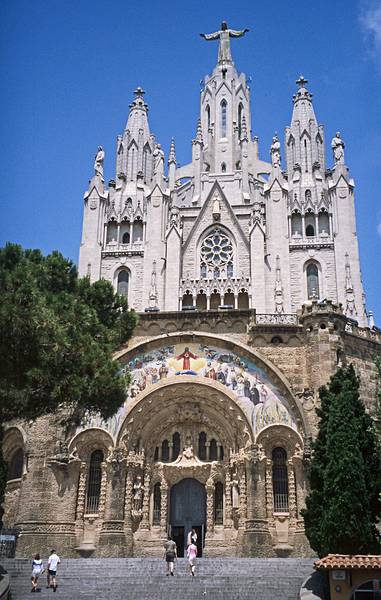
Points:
[(224, 35), (186, 356)]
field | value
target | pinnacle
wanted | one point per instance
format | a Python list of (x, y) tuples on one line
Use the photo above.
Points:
[(301, 82), (172, 152)]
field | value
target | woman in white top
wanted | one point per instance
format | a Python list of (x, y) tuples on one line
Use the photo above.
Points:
[(37, 570)]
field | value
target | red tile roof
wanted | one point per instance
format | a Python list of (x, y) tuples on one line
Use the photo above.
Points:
[(347, 561)]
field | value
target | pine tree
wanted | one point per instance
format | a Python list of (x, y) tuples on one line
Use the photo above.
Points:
[(344, 475)]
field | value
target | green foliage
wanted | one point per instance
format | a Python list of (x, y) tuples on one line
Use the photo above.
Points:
[(343, 504), (57, 336)]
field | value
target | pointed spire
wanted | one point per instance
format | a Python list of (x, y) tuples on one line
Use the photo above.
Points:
[(303, 109), (244, 135), (172, 153), (199, 137), (138, 101)]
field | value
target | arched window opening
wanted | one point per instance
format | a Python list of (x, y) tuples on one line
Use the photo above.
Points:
[(215, 300), (312, 281), (243, 300), (296, 224), (305, 156), (187, 300), (203, 271), (240, 110), (94, 482), (280, 480), (216, 272), (175, 445), (156, 455), (201, 303), (123, 281), (229, 269), (213, 450), (156, 517), (218, 503), (229, 299), (15, 465), (310, 231), (307, 195), (324, 224), (137, 232), (165, 451), (223, 118), (112, 232), (126, 238), (207, 110), (238, 165), (223, 167), (309, 220), (221, 453), (202, 445)]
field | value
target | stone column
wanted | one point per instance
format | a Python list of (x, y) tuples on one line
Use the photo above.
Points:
[(81, 498), (209, 507), (112, 540), (301, 544), (48, 494), (257, 539), (164, 507), (144, 524), (228, 521)]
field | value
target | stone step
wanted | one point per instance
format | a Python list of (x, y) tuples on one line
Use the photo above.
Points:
[(145, 579)]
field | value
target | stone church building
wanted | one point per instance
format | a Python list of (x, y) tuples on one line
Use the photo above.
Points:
[(246, 277)]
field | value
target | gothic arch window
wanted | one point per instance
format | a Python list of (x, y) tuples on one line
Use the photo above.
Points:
[(112, 232), (243, 300), (126, 237), (156, 504), (165, 451), (324, 223), (94, 482), (202, 445), (310, 224), (131, 164), (216, 253), (223, 106), (280, 480), (213, 450), (175, 445), (312, 273), (187, 300), (201, 302), (218, 503), (123, 281), (240, 113), (137, 232), (207, 110), (296, 224), (15, 465), (307, 195), (223, 167)]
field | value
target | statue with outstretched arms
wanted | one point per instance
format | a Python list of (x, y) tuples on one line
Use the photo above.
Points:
[(224, 35)]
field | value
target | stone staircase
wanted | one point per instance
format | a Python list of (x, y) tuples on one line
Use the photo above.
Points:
[(144, 579)]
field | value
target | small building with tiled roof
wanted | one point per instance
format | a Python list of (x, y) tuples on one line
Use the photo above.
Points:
[(352, 577)]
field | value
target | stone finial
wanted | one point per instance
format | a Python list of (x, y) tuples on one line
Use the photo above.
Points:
[(172, 153), (244, 129), (199, 137)]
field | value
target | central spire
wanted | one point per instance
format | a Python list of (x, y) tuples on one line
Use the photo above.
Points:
[(224, 35)]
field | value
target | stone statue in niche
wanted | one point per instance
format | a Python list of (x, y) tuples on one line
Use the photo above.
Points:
[(98, 164), (338, 146), (235, 492), (159, 162), (137, 498)]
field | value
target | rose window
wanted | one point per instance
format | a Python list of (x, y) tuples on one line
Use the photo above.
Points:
[(216, 255)]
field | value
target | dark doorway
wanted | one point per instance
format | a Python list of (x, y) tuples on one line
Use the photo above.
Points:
[(187, 511)]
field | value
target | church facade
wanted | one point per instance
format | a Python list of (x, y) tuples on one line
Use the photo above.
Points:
[(246, 277)]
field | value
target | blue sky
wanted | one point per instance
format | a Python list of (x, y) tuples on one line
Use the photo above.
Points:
[(68, 69)]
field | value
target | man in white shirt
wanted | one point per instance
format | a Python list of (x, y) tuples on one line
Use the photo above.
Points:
[(53, 562)]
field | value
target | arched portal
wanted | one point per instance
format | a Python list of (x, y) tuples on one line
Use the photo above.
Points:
[(187, 511)]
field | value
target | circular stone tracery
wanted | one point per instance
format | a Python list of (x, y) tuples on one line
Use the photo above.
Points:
[(217, 252)]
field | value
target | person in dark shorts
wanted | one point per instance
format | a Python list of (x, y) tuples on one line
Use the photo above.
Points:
[(170, 555), (53, 562)]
